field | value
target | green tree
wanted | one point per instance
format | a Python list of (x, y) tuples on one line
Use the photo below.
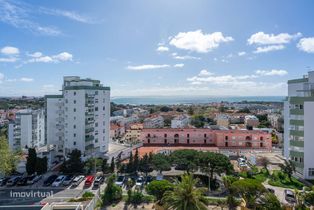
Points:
[(185, 196), (135, 197), (160, 163), (112, 165), (212, 163), (136, 161), (8, 158), (191, 111), (264, 161), (112, 193), (186, 159), (249, 190), (309, 198), (158, 188), (130, 165), (269, 201), (74, 164), (31, 161), (288, 168), (198, 121), (41, 165), (145, 166)]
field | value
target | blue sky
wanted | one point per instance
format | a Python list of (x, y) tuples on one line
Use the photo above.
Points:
[(140, 47)]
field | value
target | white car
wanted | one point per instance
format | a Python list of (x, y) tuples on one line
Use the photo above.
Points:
[(120, 180), (58, 181), (77, 180), (139, 181)]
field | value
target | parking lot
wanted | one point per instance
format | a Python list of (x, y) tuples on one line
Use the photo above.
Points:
[(37, 194)]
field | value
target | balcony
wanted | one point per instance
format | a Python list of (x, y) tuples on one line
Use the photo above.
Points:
[(296, 133), (297, 111), (89, 138), (297, 143), (88, 130)]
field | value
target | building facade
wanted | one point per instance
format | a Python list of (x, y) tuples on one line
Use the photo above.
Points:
[(27, 130), (154, 122), (206, 137), (79, 118), (181, 121), (251, 121), (298, 126)]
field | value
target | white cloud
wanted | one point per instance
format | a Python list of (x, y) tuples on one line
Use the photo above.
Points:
[(9, 60), (273, 72), (64, 56), (147, 67), (179, 65), (9, 50), (204, 72), (269, 48), (306, 45), (185, 57), (198, 42), (67, 14), (1, 77), (26, 79), (208, 77), (35, 54), (38, 57), (162, 49), (242, 53), (19, 15), (261, 38)]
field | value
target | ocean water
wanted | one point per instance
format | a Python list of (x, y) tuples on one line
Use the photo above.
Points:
[(167, 100)]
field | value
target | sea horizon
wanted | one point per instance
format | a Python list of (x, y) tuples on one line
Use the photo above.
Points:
[(168, 100)]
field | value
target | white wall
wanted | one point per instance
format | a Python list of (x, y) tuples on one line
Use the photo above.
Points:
[(308, 137)]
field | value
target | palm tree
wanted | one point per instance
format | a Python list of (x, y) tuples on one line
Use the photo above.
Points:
[(185, 196)]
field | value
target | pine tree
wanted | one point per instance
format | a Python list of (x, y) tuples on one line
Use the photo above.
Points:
[(112, 165)]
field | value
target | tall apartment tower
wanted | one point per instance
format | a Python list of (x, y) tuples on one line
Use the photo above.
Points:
[(79, 118), (27, 130), (299, 125)]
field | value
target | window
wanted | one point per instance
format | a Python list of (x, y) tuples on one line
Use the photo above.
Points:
[(74, 110), (74, 134), (74, 142), (103, 108), (96, 108), (301, 106), (66, 101), (74, 126), (226, 137), (96, 124), (104, 131), (74, 93), (311, 171), (96, 92), (74, 101)]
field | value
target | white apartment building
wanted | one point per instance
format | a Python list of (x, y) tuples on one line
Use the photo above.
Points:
[(154, 122), (181, 121), (79, 118), (251, 120), (299, 124), (27, 130)]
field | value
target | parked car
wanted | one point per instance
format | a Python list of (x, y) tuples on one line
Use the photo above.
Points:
[(12, 181), (289, 196), (149, 179), (58, 181), (120, 181), (77, 180), (68, 180), (4, 180), (139, 181), (33, 179), (50, 180), (98, 181), (89, 181), (22, 181)]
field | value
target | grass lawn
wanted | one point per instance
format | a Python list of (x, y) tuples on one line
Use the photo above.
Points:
[(280, 179), (260, 176)]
